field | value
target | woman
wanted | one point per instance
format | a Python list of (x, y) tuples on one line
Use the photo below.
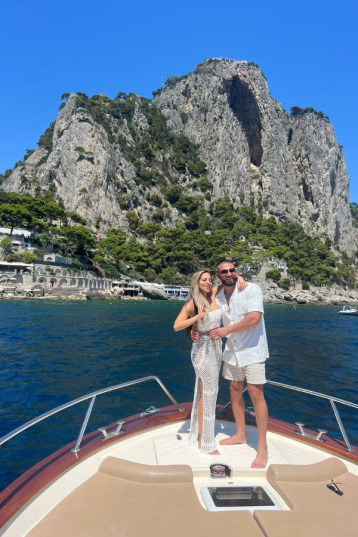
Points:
[(203, 312)]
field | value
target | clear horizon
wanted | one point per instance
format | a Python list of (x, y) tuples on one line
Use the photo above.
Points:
[(306, 51)]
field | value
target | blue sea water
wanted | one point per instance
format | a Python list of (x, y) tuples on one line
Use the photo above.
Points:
[(54, 351)]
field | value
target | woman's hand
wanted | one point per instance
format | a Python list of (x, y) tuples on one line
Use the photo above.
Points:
[(241, 284), (202, 313)]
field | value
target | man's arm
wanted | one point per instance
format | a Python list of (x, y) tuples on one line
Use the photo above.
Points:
[(249, 321)]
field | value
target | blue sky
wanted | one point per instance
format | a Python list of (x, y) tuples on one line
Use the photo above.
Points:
[(307, 50)]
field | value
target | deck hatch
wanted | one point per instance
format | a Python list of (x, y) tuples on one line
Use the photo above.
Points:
[(238, 498)]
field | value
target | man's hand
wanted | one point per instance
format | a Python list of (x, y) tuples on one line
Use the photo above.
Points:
[(195, 335), (220, 332)]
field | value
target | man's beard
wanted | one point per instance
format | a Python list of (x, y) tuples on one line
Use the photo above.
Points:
[(231, 284)]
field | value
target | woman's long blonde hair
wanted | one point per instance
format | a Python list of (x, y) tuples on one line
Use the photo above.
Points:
[(195, 294)]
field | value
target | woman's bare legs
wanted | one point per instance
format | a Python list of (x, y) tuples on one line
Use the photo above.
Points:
[(201, 417), (200, 412)]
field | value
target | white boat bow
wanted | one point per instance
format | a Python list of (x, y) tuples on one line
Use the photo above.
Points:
[(138, 477)]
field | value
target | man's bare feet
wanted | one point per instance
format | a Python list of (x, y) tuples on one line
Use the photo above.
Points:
[(235, 439), (260, 460)]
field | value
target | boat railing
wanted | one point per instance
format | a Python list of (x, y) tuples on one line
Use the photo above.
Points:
[(92, 398), (333, 400), (93, 395)]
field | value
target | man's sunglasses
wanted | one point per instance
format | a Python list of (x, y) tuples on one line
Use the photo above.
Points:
[(226, 271)]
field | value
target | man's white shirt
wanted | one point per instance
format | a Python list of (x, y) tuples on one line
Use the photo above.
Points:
[(249, 347)]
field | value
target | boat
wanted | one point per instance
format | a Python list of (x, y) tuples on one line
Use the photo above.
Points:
[(138, 477), (349, 310)]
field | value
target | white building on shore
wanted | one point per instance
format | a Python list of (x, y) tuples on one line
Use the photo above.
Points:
[(49, 278), (178, 292), (20, 239)]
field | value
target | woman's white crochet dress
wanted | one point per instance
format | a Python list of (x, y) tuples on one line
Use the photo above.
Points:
[(206, 356)]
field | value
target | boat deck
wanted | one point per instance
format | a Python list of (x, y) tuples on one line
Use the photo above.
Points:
[(170, 446), (152, 481)]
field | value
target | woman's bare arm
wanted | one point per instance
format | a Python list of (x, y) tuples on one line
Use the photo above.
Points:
[(187, 317)]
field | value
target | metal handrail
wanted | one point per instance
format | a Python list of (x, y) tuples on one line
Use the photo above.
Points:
[(92, 396), (333, 400)]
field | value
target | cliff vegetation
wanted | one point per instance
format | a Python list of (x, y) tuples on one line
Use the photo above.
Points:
[(161, 254)]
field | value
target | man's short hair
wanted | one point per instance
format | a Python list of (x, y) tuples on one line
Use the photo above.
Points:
[(224, 261)]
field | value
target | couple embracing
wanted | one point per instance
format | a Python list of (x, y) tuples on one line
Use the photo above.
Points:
[(234, 310)]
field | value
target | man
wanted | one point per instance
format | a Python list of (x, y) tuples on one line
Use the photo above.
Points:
[(244, 354)]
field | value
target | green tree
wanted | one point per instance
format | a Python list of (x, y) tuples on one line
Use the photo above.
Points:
[(46, 139), (173, 79), (14, 216), (133, 219), (285, 283), (354, 213), (187, 204), (27, 257), (6, 245), (274, 275), (80, 240), (173, 193)]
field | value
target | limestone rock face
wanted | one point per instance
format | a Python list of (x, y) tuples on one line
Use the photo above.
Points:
[(290, 166), (315, 295), (150, 291), (100, 295), (322, 203), (80, 168)]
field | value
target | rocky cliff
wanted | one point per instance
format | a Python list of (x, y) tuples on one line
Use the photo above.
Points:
[(214, 132), (291, 165)]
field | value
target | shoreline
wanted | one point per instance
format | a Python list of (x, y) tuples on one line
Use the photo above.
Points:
[(335, 300), (73, 298), (333, 295), (272, 294)]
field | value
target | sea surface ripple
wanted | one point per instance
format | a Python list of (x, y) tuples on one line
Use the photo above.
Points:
[(55, 351)]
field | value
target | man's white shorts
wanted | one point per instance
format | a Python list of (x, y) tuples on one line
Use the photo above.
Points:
[(254, 373)]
